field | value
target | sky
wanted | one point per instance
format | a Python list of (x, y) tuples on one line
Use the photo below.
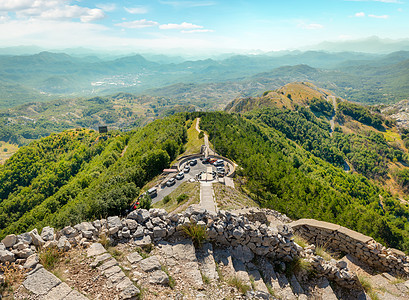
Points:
[(198, 25)]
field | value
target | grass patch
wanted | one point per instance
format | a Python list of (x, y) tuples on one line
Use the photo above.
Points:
[(6, 151), (144, 252), (322, 251), (298, 265), (398, 280), (197, 233), (366, 285), (105, 241), (187, 192), (115, 253), (50, 257), (239, 284), (194, 143), (252, 282), (230, 198), (270, 290), (172, 282), (219, 272), (205, 279), (300, 241)]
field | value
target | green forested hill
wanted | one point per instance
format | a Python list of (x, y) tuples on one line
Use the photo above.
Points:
[(287, 161), (284, 176), (77, 175)]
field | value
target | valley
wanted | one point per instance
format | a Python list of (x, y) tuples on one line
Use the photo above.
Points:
[(298, 151)]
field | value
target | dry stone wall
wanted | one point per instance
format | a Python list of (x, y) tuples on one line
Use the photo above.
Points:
[(341, 239), (245, 239)]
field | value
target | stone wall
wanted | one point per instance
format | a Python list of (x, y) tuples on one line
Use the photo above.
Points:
[(141, 227), (341, 239)]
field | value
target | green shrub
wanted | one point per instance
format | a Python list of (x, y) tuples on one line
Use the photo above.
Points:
[(181, 198), (196, 232), (145, 202), (167, 199), (201, 135)]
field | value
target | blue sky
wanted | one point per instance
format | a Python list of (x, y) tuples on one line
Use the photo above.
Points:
[(198, 25)]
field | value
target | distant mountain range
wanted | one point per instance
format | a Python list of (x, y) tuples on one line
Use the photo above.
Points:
[(368, 78)]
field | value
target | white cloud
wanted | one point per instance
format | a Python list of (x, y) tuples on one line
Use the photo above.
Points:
[(312, 26), (383, 1), (360, 14), (138, 24), (197, 31), (107, 6), (189, 3), (136, 10), (51, 10), (181, 26), (379, 17)]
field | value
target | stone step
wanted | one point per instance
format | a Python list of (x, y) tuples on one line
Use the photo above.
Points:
[(224, 259), (109, 267), (241, 271), (278, 282), (259, 284), (45, 285), (180, 257), (327, 292), (206, 261), (297, 289)]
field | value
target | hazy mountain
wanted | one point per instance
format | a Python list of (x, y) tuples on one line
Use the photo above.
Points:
[(24, 78), (372, 44)]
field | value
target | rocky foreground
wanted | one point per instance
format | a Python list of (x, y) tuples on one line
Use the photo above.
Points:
[(249, 254)]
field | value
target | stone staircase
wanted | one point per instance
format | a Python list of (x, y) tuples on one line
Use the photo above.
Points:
[(151, 258)]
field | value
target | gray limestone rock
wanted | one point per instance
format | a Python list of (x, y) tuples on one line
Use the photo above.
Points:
[(58, 292), (69, 232), (25, 253), (6, 256), (143, 241), (140, 215), (134, 257), (242, 253), (87, 234), (63, 244), (111, 271), (99, 259), (139, 232), (108, 264), (47, 234), (150, 264), (206, 260), (95, 249), (75, 295), (20, 246), (129, 293), (40, 282), (159, 232), (85, 226), (37, 239), (9, 240), (158, 277), (131, 224), (114, 222), (31, 261)]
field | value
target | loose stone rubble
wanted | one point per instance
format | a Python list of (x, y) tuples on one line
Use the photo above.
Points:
[(245, 236)]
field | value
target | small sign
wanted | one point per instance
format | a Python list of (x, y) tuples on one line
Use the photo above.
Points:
[(103, 129)]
